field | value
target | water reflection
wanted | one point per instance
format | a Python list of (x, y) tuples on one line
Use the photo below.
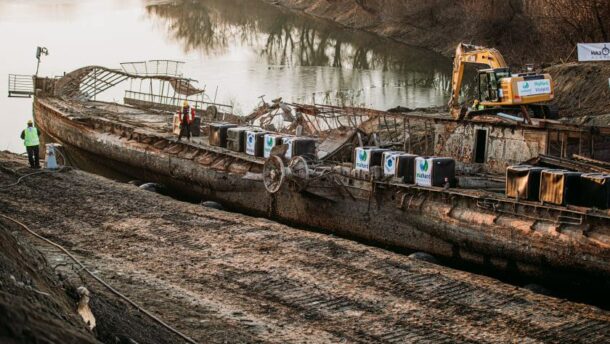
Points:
[(284, 38), (246, 47)]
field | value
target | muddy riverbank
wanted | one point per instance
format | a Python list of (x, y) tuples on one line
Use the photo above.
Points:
[(223, 277), (39, 298), (582, 92)]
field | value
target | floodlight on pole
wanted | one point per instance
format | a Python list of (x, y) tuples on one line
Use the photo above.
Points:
[(39, 52)]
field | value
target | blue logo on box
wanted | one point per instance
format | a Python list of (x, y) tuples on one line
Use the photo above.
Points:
[(363, 155), (423, 165), (389, 163)]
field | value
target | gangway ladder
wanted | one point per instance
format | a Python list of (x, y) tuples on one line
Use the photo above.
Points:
[(20, 86), (99, 80)]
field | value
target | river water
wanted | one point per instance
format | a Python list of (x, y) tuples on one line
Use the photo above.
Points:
[(238, 49)]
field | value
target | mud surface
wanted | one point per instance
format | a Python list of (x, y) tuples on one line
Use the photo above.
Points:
[(221, 277), (582, 90)]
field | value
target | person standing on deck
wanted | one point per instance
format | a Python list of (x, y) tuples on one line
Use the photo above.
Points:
[(187, 116), (31, 141)]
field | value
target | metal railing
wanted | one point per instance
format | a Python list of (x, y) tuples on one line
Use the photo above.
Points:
[(20, 86), (171, 101), (154, 67)]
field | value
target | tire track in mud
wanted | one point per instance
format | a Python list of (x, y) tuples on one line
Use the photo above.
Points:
[(315, 304)]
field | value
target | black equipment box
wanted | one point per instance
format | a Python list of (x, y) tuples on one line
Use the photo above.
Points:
[(196, 127), (523, 182), (434, 171), (595, 190), (367, 157), (218, 133), (236, 138), (560, 187), (405, 167), (300, 146)]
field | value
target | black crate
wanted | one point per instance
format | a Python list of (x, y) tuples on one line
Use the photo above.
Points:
[(196, 127), (236, 139), (523, 182), (377, 156), (300, 146), (388, 161), (443, 171), (595, 190), (218, 133), (405, 167), (560, 187), (434, 171)]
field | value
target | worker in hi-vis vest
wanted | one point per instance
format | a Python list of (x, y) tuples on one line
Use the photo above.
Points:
[(31, 141)]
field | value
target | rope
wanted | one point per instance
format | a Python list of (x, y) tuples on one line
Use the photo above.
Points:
[(114, 291)]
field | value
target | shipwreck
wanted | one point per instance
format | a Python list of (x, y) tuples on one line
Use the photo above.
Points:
[(483, 205)]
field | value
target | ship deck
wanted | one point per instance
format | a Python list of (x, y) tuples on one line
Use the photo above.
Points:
[(159, 124)]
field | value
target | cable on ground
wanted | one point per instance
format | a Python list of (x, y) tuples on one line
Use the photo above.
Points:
[(2, 187), (102, 282)]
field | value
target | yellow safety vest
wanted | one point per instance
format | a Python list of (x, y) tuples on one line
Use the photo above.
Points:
[(31, 137)]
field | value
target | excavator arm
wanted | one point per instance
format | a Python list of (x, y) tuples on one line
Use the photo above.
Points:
[(466, 53)]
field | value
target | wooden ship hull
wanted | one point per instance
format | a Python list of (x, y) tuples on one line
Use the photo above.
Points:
[(469, 225)]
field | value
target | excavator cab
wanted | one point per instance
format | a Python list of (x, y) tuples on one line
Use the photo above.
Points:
[(498, 89), (489, 84)]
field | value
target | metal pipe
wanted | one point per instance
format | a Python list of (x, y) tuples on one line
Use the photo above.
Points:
[(511, 117)]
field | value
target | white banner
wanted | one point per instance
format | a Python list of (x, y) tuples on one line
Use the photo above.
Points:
[(250, 142), (363, 159), (593, 51), (389, 163), (423, 171), (271, 141), (533, 87)]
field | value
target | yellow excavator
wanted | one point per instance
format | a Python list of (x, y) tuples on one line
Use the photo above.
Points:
[(499, 91)]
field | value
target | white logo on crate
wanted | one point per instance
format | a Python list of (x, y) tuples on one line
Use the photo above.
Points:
[(288, 141), (363, 159), (270, 142), (423, 171), (250, 142), (389, 163), (533, 87)]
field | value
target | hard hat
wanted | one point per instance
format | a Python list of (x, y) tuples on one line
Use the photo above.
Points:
[(185, 104), (30, 121)]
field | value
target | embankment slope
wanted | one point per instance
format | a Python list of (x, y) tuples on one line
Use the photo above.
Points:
[(582, 91), (35, 307)]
